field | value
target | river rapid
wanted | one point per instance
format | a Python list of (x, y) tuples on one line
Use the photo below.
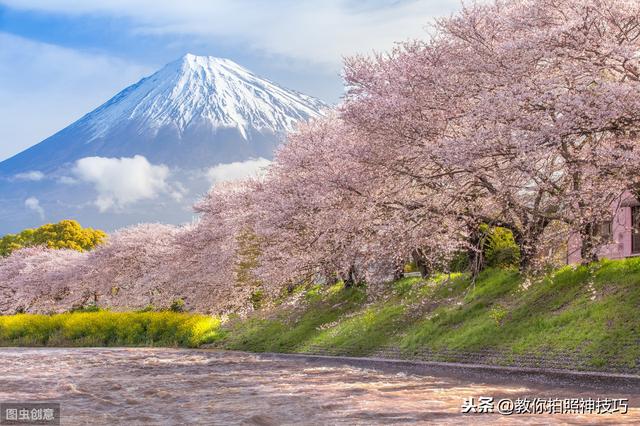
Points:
[(191, 387)]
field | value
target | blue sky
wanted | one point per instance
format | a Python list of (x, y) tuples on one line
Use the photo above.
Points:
[(61, 58)]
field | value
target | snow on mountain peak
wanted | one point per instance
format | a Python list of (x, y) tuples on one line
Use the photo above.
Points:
[(196, 111), (203, 91), (195, 114)]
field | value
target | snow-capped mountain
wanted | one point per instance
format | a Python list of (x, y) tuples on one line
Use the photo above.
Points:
[(203, 90), (196, 111), (149, 152)]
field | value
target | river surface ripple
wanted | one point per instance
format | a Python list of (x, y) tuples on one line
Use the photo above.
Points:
[(186, 387)]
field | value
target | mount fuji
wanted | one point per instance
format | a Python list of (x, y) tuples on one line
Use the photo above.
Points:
[(196, 111), (158, 143)]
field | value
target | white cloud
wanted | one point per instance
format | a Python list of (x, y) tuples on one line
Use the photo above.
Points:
[(32, 203), (319, 32), (51, 86), (123, 181), (178, 191), (46, 87), (67, 180), (237, 170), (33, 175)]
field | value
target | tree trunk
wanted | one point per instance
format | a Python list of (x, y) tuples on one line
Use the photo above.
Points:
[(476, 261), (419, 258), (528, 251), (475, 253), (528, 241), (332, 278), (588, 246), (350, 278), (398, 272)]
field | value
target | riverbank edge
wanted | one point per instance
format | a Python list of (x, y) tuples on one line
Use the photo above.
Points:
[(597, 380)]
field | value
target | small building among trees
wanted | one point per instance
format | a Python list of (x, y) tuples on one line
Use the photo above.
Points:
[(617, 238)]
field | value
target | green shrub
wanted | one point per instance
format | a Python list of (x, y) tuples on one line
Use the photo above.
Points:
[(87, 308), (257, 299), (104, 328), (410, 267), (459, 262), (148, 308), (177, 306), (501, 250), (498, 313)]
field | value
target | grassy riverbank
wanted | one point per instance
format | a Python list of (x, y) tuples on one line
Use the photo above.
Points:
[(593, 312), (104, 328)]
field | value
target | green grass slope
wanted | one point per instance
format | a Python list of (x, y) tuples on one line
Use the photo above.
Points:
[(591, 311)]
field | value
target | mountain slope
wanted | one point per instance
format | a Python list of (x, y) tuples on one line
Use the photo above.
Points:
[(194, 112)]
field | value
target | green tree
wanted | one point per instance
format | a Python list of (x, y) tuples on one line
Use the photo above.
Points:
[(66, 234), (501, 249)]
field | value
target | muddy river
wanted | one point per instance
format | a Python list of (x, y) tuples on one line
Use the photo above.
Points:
[(186, 387)]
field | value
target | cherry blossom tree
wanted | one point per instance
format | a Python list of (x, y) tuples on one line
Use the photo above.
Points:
[(529, 125), (521, 114), (40, 279), (214, 251), (326, 209)]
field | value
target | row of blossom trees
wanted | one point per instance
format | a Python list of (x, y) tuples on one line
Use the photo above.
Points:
[(521, 114), (527, 109)]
